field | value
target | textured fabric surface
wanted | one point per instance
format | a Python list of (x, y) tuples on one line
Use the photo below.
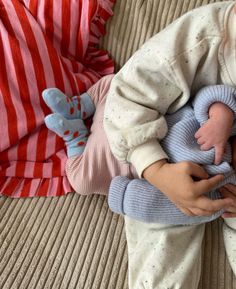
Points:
[(163, 75), (92, 172), (75, 242), (43, 44), (61, 242), (141, 201)]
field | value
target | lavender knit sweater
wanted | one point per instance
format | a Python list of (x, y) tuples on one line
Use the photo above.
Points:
[(140, 200)]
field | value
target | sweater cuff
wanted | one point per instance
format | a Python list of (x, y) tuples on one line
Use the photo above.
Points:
[(210, 94), (146, 154), (116, 194)]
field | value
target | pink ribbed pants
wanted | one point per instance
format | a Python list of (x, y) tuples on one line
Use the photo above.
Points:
[(91, 172)]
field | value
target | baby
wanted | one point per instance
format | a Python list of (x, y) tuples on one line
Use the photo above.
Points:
[(68, 122), (91, 164), (214, 109)]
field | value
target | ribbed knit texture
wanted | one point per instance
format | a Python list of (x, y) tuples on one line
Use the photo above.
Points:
[(144, 202), (61, 243), (88, 248), (204, 99), (46, 43), (92, 172)]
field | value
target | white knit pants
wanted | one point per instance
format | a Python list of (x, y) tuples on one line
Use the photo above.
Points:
[(169, 257), (229, 235)]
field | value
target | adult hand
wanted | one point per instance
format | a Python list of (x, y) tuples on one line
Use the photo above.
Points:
[(185, 184), (229, 191)]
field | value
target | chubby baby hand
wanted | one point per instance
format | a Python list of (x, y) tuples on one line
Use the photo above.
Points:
[(216, 131)]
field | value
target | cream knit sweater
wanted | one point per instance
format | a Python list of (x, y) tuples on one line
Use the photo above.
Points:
[(196, 50)]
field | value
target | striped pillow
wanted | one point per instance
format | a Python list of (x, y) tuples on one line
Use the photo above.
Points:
[(46, 43)]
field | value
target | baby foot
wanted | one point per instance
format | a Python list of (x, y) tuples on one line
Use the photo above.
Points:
[(71, 108), (73, 132)]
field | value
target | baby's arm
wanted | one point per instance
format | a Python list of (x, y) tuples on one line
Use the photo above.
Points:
[(185, 183), (215, 110)]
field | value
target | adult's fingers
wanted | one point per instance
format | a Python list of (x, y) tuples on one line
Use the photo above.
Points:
[(230, 210), (196, 212), (196, 170), (226, 193), (186, 211), (201, 212), (207, 204), (206, 185), (231, 188), (228, 215)]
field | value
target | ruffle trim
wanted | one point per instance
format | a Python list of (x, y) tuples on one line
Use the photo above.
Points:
[(96, 58), (25, 187), (96, 63)]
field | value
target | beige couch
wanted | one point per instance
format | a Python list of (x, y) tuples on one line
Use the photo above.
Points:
[(74, 241)]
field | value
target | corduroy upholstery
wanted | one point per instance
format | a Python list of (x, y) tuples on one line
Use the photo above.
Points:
[(75, 241)]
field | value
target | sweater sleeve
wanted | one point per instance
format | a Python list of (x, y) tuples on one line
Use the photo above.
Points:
[(159, 79), (134, 115)]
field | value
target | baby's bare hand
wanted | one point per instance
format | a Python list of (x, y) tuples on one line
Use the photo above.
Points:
[(208, 137), (216, 131)]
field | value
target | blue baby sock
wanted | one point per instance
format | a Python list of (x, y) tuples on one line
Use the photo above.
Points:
[(73, 132), (71, 108)]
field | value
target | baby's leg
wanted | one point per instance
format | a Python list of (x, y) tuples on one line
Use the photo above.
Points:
[(93, 171), (229, 234), (163, 256)]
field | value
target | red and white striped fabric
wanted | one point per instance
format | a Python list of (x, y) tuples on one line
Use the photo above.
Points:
[(43, 43)]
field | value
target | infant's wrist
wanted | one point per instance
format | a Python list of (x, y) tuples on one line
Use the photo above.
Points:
[(221, 110)]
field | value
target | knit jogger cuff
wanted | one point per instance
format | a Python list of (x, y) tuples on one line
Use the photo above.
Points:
[(150, 206), (210, 94)]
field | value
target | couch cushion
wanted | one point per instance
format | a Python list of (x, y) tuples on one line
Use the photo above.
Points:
[(74, 241)]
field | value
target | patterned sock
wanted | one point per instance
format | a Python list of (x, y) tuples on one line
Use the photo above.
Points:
[(73, 132), (71, 108)]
